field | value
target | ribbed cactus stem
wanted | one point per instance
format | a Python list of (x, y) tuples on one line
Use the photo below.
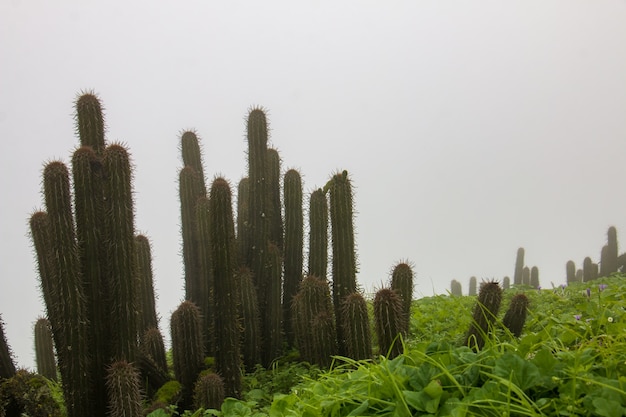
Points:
[(192, 154), (44, 349), (390, 322), (209, 391), (519, 267), (243, 221), (515, 316), (272, 320), (152, 346), (187, 347), (226, 291), (484, 314), (204, 285), (250, 320), (90, 121), (147, 318), (402, 283), (318, 234), (121, 252), (356, 327), (67, 296), (526, 276), (612, 251), (7, 366), (274, 205), (293, 250), (124, 390), (324, 338), (343, 247)]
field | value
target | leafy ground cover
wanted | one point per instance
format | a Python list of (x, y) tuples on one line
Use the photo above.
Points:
[(569, 361)]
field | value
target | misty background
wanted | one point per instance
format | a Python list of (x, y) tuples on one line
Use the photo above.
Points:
[(468, 128)]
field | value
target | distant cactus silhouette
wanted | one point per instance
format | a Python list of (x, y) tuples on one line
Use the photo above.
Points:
[(519, 267), (485, 312), (456, 288), (472, 286), (588, 272), (570, 271), (526, 276), (534, 277), (506, 283)]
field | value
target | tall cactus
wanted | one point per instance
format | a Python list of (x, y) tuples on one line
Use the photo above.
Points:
[(90, 121), (67, 293), (570, 271), (318, 234), (612, 251), (343, 246), (192, 154), (484, 314), (274, 211), (515, 316), (44, 349), (204, 285), (402, 283), (356, 327), (293, 250), (224, 256), (272, 340), (152, 346), (519, 267), (7, 367), (250, 320), (121, 251), (124, 390), (588, 269), (187, 348), (389, 322), (243, 221), (147, 317)]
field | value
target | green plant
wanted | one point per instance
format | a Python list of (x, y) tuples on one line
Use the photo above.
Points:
[(224, 256), (124, 390), (293, 250), (389, 320), (44, 349), (484, 314), (187, 348), (29, 394)]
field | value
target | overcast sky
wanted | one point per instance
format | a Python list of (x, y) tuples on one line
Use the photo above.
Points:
[(469, 128)]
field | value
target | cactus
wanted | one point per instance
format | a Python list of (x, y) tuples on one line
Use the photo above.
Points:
[(526, 276), (323, 336), (226, 291), (204, 285), (293, 251), (484, 314), (7, 367), (90, 121), (251, 321), (356, 327), (506, 283), (588, 269), (389, 322), (192, 154), (534, 277), (44, 349), (318, 234), (153, 347), (515, 316), (519, 267), (472, 286), (274, 206), (312, 298), (147, 318), (272, 340), (612, 251), (570, 271), (122, 382), (187, 348), (455, 288), (67, 294), (343, 248), (243, 221), (402, 283), (121, 252), (209, 391)]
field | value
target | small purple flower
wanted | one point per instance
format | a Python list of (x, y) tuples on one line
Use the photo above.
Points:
[(602, 287), (577, 316), (588, 292)]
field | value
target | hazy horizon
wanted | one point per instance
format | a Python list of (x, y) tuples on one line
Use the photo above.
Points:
[(468, 129)]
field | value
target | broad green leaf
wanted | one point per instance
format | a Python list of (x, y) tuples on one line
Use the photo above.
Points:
[(522, 373)]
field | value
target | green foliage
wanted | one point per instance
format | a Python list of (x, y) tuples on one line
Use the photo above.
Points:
[(29, 394)]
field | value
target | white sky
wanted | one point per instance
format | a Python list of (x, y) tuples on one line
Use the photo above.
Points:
[(469, 128)]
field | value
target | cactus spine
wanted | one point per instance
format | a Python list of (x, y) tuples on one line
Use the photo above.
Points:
[(205, 271), (272, 340), (402, 283), (343, 247), (515, 316), (318, 234), (274, 212), (293, 251), (356, 327), (227, 331), (90, 121), (187, 348), (389, 320), (122, 382), (485, 312), (251, 321), (147, 318), (243, 221), (44, 349)]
